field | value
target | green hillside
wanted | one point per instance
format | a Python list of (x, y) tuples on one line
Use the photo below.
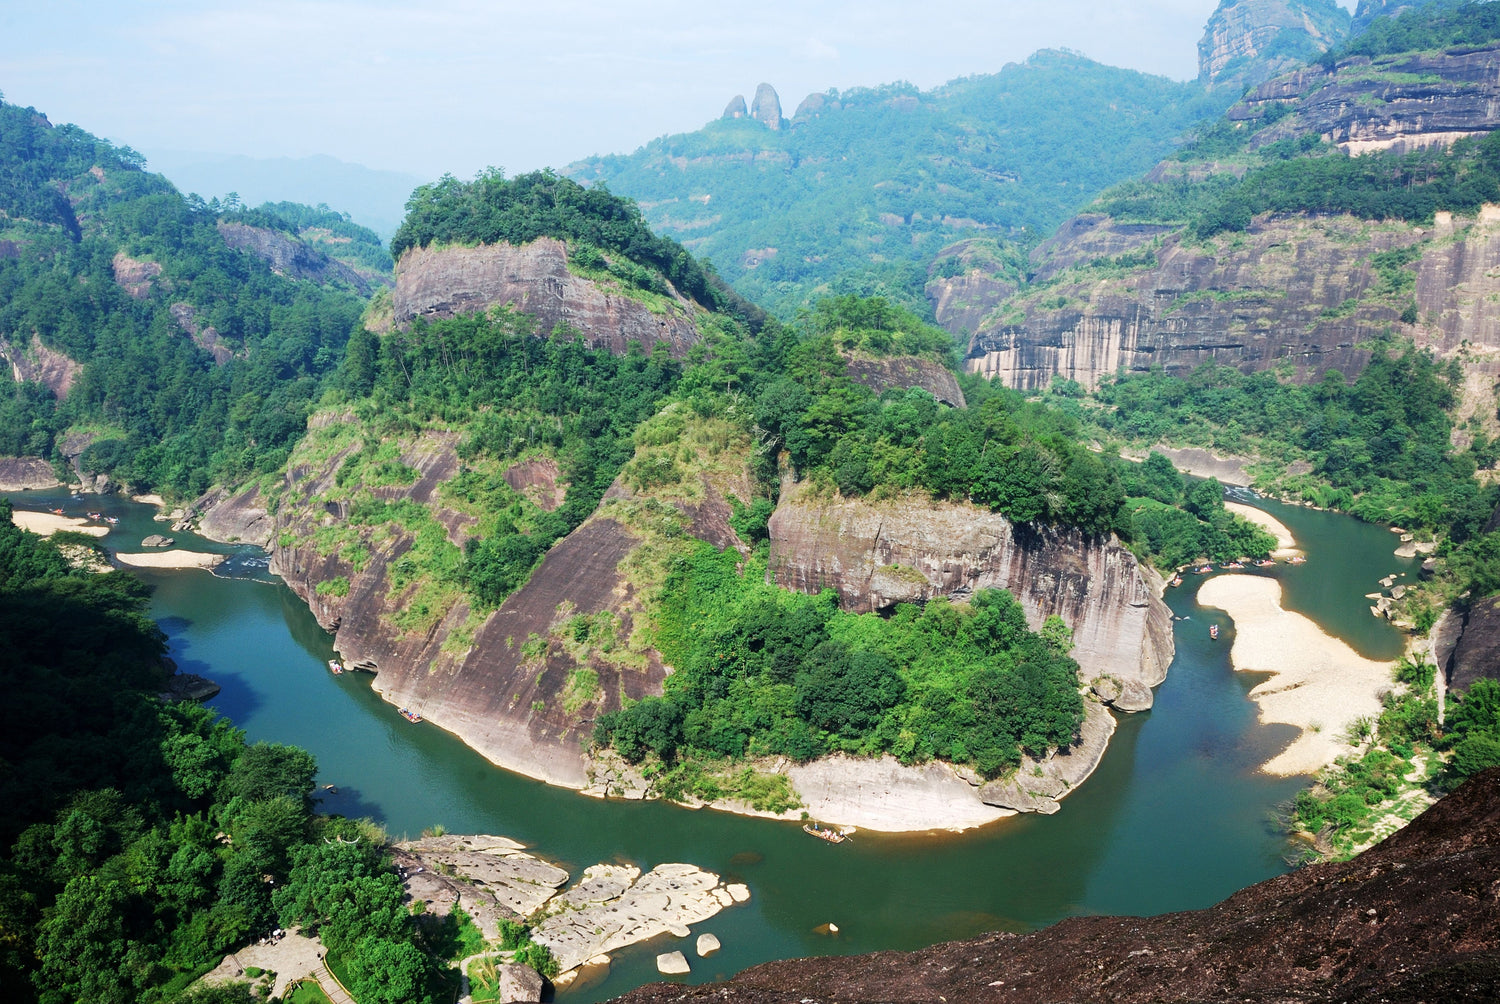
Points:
[(858, 195), (80, 221)]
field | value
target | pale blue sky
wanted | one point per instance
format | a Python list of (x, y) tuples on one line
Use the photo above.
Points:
[(454, 85)]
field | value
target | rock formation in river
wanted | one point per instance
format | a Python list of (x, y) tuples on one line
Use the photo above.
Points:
[(1415, 918), (534, 278)]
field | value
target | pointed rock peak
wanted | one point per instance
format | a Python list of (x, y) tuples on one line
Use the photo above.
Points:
[(736, 108), (1248, 41), (767, 107)]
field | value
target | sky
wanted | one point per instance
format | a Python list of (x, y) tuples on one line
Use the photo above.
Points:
[(458, 85)]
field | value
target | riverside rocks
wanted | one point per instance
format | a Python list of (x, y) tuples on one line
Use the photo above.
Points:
[(610, 907), (673, 964), (604, 912), (519, 984)]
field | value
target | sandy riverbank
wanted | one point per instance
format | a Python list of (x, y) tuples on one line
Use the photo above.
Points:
[(1319, 684), (45, 524), (171, 559), (884, 794), (1286, 544)]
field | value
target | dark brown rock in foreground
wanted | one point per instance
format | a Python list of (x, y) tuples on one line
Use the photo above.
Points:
[(1416, 918)]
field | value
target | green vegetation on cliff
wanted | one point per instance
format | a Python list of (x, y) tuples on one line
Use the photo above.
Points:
[(491, 209), (1378, 447), (138, 836), (164, 415), (1435, 24), (764, 671)]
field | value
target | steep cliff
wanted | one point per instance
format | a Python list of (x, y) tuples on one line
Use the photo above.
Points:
[(883, 373), (33, 362), (535, 279), (1246, 41), (495, 678), (1414, 918), (1297, 292), (877, 554), (290, 256)]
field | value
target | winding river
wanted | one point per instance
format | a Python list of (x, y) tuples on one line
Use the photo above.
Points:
[(1176, 817)]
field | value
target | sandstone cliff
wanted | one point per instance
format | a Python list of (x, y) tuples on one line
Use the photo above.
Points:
[(534, 278), (1297, 292), (767, 107), (1414, 918), (1249, 40), (18, 474), (33, 362), (877, 554), (1401, 102), (883, 373), (289, 256)]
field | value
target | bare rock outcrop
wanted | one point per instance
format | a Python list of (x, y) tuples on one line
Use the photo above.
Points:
[(879, 554), (240, 517), (205, 336), (135, 276), (1249, 40), (736, 109), (1473, 652), (883, 373), (1412, 919), (534, 278), (1297, 292), (19, 474), (34, 362), (766, 108), (290, 256)]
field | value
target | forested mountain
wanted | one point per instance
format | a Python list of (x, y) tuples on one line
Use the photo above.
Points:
[(174, 359), (858, 189)]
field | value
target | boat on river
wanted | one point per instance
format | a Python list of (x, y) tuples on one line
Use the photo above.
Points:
[(1213, 631), (1265, 563), (1295, 559), (410, 715), (1231, 565), (827, 833), (336, 666), (1176, 581)]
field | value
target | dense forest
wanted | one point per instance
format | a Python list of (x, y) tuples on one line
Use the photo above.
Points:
[(161, 412), (139, 836), (859, 192)]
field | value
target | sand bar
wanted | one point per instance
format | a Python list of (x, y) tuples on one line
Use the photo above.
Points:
[(171, 559), (1286, 544), (45, 524), (884, 794), (1319, 685)]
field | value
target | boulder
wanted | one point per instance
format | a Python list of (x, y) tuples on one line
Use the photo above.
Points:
[(157, 540), (673, 964), (520, 984), (707, 945)]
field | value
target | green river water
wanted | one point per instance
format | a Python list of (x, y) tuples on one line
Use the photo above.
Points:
[(1176, 817)]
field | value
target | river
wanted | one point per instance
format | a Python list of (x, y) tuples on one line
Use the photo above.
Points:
[(1176, 817)]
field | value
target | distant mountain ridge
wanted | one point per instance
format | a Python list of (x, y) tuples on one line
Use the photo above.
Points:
[(858, 189)]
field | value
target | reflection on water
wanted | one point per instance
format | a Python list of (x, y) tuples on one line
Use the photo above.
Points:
[(1176, 816)]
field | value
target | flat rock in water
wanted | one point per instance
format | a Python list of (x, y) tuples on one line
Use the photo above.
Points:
[(669, 898), (707, 945), (494, 876), (673, 964), (157, 540), (738, 891), (519, 984)]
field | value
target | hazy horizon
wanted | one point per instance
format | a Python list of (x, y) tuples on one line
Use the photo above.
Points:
[(454, 86)]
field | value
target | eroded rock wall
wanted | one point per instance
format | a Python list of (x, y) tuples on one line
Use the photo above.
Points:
[(876, 554), (291, 257), (900, 372), (33, 362), (534, 278)]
